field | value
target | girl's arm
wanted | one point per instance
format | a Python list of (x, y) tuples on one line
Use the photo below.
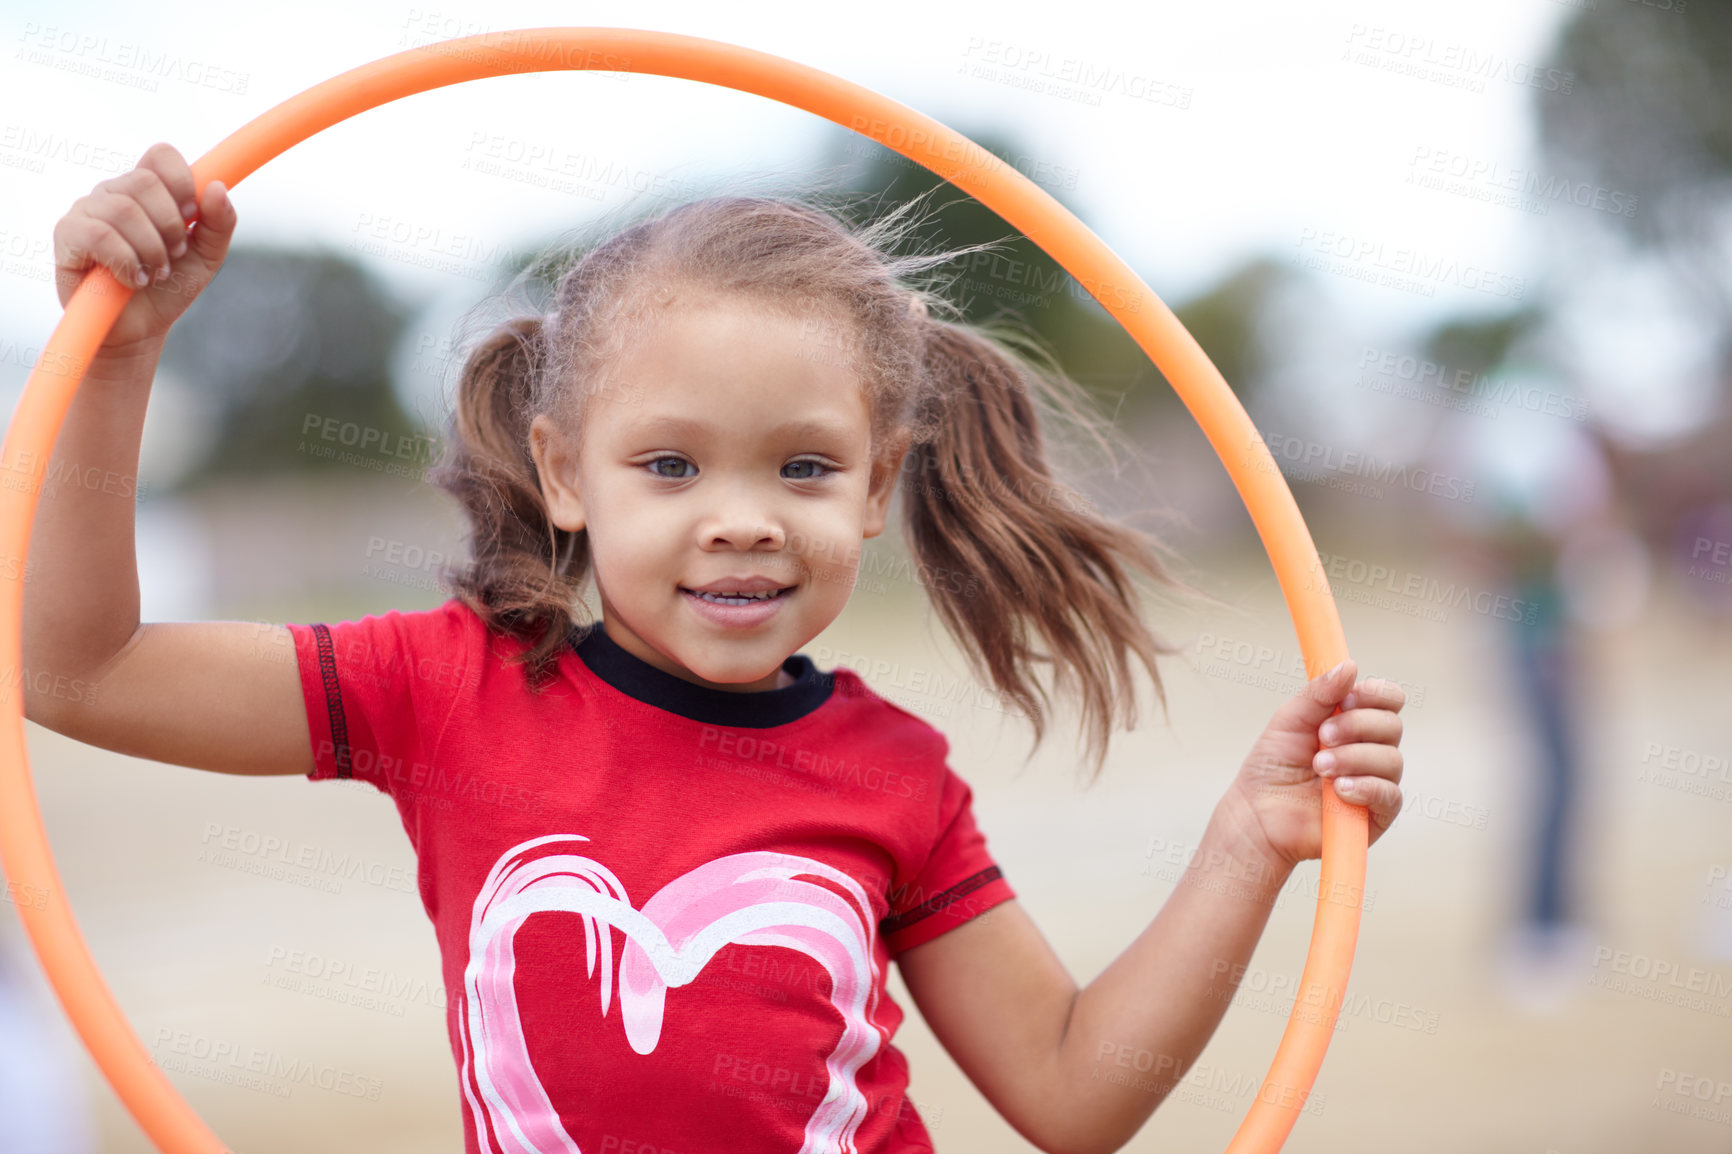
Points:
[(222, 696), (1080, 1071)]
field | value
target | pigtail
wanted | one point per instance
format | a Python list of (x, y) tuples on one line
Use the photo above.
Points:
[(523, 573), (1034, 561)]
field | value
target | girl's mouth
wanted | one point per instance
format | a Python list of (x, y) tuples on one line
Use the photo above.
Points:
[(736, 612), (737, 599)]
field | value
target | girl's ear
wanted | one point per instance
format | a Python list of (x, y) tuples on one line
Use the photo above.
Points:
[(556, 471), (885, 471)]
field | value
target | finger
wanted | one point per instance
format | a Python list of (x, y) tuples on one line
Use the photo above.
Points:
[(1361, 725), (216, 225), (83, 240), (1305, 711), (166, 202), (165, 160), (159, 204), (1361, 760), (1381, 798), (136, 205), (1375, 693)]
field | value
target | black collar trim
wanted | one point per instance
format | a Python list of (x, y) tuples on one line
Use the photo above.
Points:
[(637, 678)]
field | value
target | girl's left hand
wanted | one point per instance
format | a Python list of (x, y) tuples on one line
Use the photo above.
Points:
[(1282, 778)]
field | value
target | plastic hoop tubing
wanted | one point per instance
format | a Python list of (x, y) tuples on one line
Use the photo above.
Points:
[(160, 1110)]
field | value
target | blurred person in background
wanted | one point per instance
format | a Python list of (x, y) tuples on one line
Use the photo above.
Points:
[(1546, 530)]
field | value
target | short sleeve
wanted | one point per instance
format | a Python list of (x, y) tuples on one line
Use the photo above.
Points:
[(959, 881), (379, 690)]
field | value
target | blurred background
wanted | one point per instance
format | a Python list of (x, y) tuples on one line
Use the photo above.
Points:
[(1469, 268)]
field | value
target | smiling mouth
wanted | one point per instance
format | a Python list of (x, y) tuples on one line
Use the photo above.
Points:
[(740, 599)]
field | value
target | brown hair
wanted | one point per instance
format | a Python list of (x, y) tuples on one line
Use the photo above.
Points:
[(1020, 556)]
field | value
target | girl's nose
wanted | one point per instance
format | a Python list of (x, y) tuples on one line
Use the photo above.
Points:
[(740, 512), (747, 533)]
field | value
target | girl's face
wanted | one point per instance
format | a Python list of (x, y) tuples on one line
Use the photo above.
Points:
[(729, 449)]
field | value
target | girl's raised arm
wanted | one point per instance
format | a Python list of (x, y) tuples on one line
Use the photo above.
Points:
[(1078, 1071), (222, 696)]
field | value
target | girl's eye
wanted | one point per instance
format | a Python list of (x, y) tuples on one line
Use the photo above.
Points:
[(818, 468)]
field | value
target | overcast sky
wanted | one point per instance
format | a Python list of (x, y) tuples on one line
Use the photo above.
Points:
[(1193, 135)]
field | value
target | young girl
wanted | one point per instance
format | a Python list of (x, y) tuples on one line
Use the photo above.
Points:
[(668, 859)]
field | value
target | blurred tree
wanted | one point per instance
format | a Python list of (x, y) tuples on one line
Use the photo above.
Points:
[(1480, 344), (1231, 320), (1650, 114), (280, 339)]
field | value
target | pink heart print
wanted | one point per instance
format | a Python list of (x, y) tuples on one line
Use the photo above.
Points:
[(746, 898)]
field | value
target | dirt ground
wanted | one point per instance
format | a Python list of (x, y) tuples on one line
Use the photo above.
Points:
[(1435, 1057)]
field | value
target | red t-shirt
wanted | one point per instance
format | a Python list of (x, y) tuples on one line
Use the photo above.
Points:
[(723, 878)]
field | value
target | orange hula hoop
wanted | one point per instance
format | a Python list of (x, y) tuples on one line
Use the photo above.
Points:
[(153, 1100)]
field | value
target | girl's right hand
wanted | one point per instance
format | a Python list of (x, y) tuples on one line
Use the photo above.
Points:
[(139, 221)]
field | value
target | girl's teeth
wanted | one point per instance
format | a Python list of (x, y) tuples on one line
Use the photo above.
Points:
[(736, 599)]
